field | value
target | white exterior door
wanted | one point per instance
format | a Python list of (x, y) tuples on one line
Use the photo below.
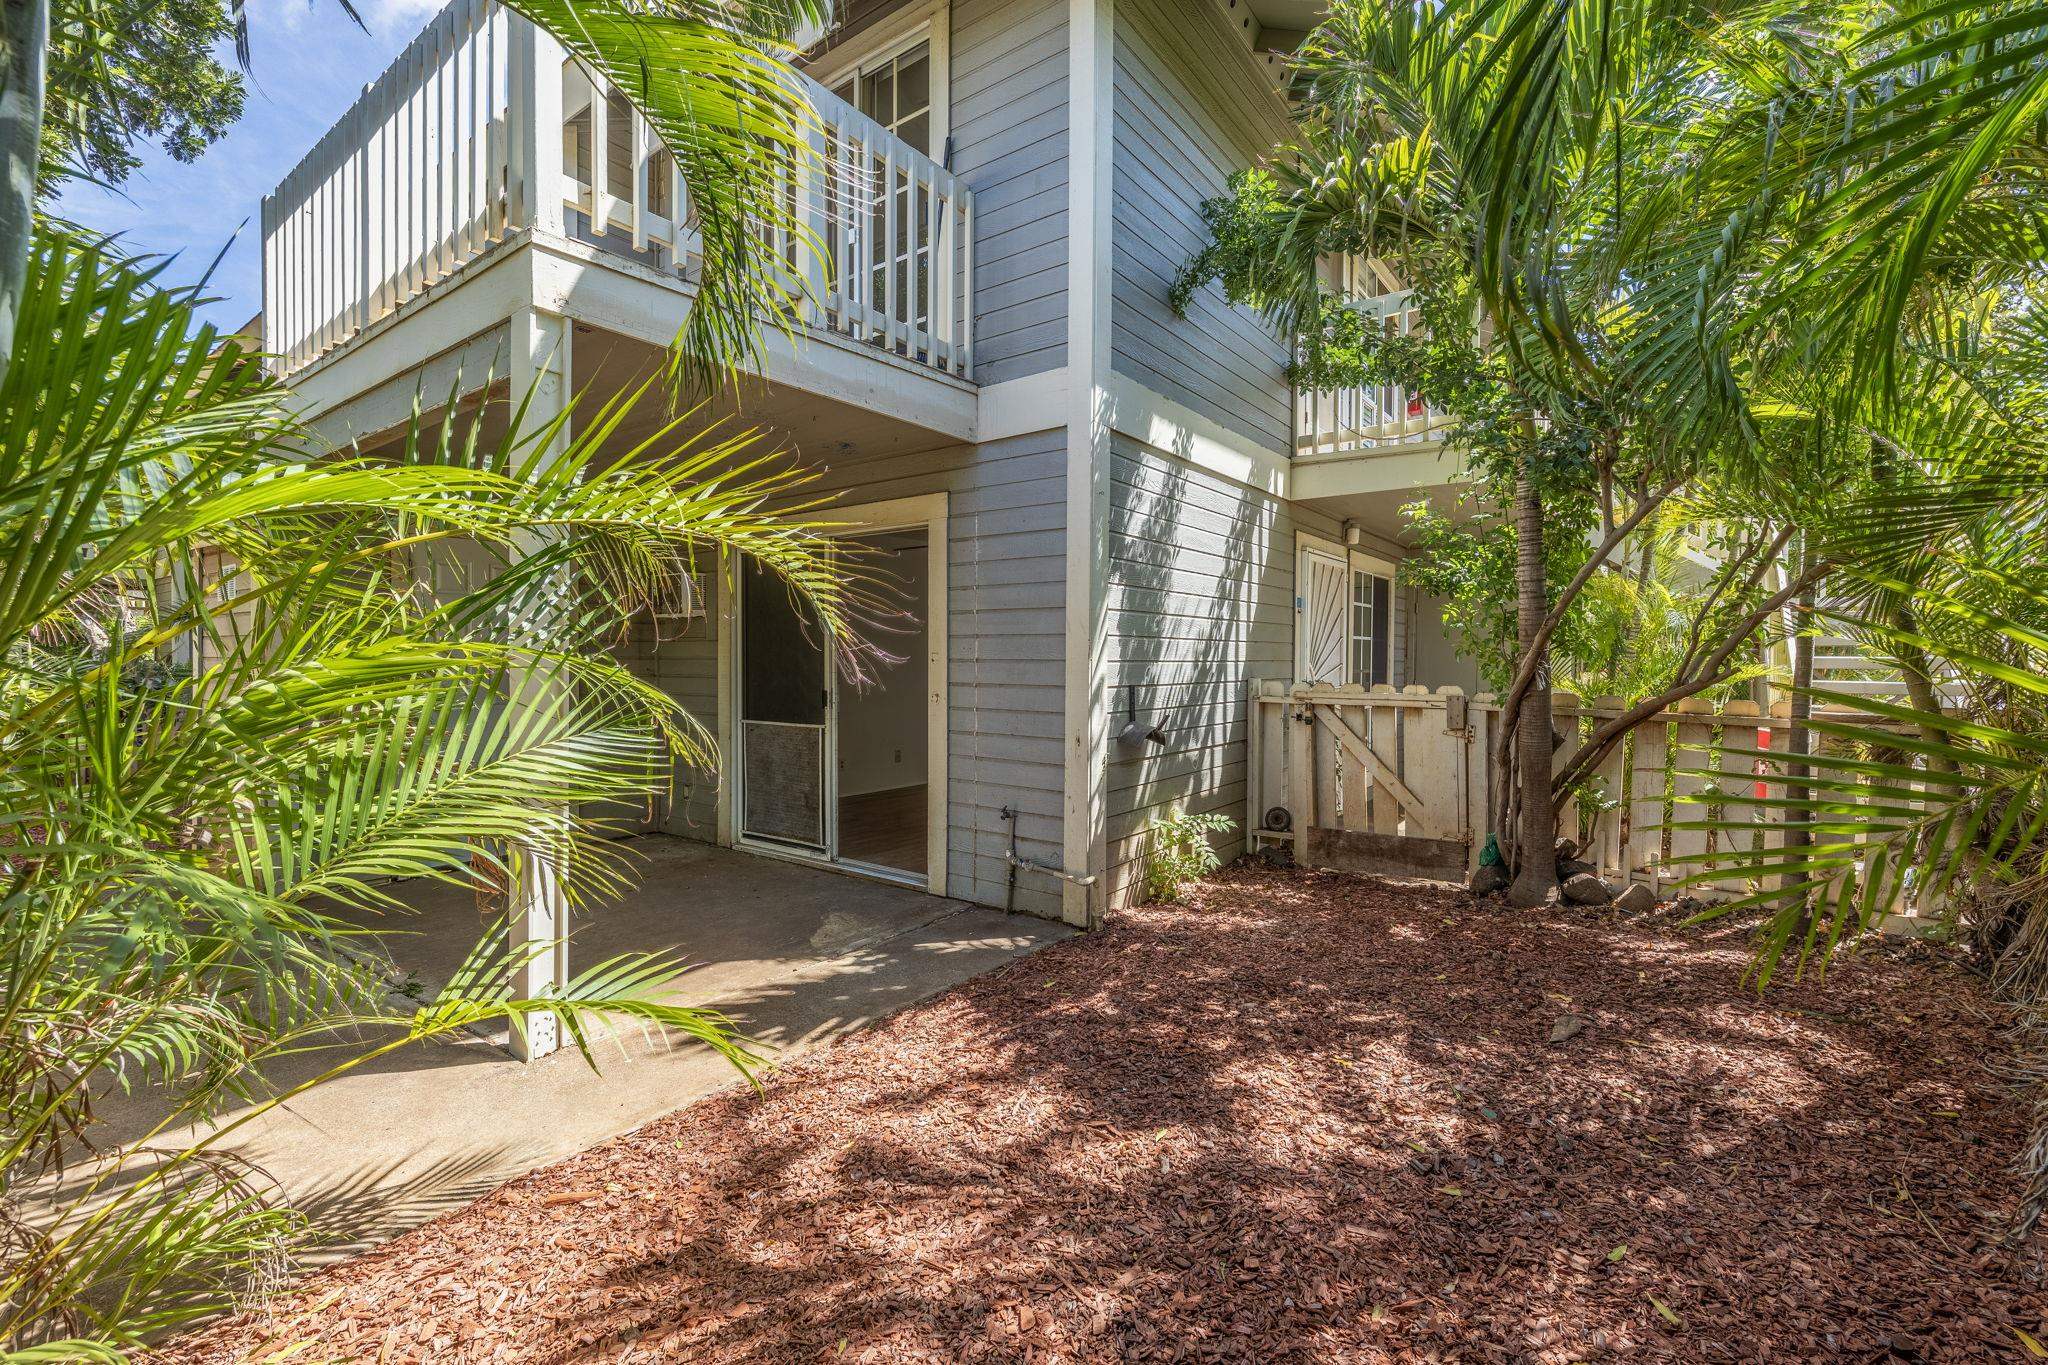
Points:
[(1322, 616)]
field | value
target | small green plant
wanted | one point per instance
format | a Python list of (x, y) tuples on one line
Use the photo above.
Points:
[(1179, 851), (1591, 801)]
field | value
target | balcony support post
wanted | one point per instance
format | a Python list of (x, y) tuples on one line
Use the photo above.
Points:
[(537, 912), (1084, 840)]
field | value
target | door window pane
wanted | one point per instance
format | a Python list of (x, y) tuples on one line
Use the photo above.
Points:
[(1372, 597), (783, 653), (1382, 633)]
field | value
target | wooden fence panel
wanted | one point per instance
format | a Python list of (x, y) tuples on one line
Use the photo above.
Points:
[(1772, 734), (1482, 720), (1323, 733), (1610, 779), (1648, 807), (1739, 775), (1692, 747), (1434, 767), (1384, 734), (1301, 778), (1401, 782), (1355, 788)]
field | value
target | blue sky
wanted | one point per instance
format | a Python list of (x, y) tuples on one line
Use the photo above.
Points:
[(311, 62)]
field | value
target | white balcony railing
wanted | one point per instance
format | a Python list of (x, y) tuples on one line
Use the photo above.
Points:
[(419, 176), (434, 165), (1369, 416)]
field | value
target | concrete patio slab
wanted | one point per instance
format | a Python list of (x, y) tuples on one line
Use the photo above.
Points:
[(796, 956)]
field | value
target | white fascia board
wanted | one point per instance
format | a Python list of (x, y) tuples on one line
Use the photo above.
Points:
[(1150, 417), (586, 284), (479, 298), (1425, 464), (590, 285), (456, 374), (1037, 402)]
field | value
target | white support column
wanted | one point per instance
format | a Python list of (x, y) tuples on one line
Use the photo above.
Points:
[(537, 912), (724, 609), (1084, 824)]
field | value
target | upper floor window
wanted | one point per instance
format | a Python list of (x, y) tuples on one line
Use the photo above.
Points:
[(895, 90), (894, 74)]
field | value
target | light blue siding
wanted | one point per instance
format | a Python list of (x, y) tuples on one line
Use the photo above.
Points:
[(1009, 121), (1006, 567), (1201, 598), (1187, 115)]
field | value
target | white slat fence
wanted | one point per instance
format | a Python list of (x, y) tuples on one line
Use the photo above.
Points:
[(1330, 420), (410, 183), (1398, 782)]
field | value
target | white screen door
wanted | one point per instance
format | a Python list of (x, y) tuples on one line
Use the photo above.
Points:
[(785, 696), (1323, 636)]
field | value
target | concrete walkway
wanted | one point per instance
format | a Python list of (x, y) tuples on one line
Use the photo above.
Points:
[(796, 956)]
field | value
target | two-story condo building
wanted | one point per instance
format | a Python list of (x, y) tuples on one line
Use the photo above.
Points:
[(1104, 513)]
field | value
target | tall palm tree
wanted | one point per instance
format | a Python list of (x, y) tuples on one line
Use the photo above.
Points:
[(1397, 102), (1694, 218)]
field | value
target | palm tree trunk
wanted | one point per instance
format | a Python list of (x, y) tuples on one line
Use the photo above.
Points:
[(1918, 674), (1798, 739), (1535, 835), (24, 36)]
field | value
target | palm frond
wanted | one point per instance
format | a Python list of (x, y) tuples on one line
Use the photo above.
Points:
[(714, 81), (235, 709)]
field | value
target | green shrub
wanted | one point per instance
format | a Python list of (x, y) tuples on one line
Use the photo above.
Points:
[(1178, 852)]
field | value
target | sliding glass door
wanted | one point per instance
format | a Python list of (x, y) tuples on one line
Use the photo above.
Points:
[(836, 762)]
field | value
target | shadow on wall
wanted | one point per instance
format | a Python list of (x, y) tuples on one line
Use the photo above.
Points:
[(1200, 599)]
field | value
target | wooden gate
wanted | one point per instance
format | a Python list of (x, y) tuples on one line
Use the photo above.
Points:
[(1369, 779)]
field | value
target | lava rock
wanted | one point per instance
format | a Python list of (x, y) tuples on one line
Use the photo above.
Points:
[(1488, 879), (1568, 868), (1585, 889), (1635, 898)]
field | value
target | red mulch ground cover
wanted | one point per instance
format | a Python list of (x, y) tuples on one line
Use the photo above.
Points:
[(1306, 1117)]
